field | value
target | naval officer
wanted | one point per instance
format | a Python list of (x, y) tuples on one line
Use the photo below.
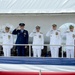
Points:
[(7, 39), (22, 38), (38, 39), (55, 39), (70, 37)]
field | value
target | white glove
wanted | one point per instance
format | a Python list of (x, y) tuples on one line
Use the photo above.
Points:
[(18, 28), (34, 30)]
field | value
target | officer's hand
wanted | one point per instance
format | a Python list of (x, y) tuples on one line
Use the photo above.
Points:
[(25, 46), (18, 28), (34, 30)]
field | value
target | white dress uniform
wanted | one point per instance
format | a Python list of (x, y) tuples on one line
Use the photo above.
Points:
[(7, 39), (70, 41), (38, 39), (54, 40)]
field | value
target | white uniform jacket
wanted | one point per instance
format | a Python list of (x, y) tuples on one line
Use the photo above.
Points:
[(69, 39), (38, 39), (7, 39), (55, 37)]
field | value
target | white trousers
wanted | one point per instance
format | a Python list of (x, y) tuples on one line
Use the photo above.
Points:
[(7, 52), (54, 52), (70, 53), (36, 52)]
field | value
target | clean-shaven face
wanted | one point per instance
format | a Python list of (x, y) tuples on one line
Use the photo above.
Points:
[(54, 28), (7, 30), (21, 27), (71, 29), (38, 29)]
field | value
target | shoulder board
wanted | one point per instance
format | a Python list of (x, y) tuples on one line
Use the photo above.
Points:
[(10, 32), (34, 32), (41, 32), (51, 30), (3, 32), (26, 30)]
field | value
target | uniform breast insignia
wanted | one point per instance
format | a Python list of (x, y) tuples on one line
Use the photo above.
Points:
[(9, 36), (56, 33), (39, 36), (24, 34)]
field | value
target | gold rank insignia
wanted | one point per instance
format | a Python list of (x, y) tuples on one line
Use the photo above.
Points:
[(9, 36), (39, 36), (56, 33)]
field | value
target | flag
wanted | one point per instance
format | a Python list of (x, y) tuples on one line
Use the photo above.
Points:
[(36, 66)]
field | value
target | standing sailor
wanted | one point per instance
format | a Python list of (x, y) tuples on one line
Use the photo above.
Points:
[(22, 38), (70, 37), (8, 40), (55, 39), (38, 39)]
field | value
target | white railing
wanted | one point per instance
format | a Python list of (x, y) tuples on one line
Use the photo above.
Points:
[(35, 45), (39, 70)]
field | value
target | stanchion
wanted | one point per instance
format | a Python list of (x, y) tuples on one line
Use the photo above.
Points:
[(40, 72), (29, 50)]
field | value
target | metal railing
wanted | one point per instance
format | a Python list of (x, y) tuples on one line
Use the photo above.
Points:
[(48, 45)]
